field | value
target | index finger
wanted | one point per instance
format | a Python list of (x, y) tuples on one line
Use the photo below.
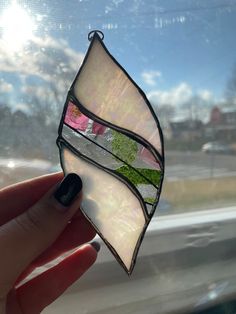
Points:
[(17, 198)]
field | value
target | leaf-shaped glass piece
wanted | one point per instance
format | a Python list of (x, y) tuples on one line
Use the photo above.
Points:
[(106, 90), (111, 137)]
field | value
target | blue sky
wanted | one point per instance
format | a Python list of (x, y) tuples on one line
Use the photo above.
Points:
[(173, 49), (199, 49)]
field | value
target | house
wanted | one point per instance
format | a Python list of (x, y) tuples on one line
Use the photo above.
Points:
[(186, 130), (222, 124)]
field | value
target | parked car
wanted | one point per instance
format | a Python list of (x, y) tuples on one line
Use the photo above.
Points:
[(217, 147)]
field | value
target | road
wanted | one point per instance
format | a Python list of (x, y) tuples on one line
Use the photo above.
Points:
[(179, 165), (198, 165)]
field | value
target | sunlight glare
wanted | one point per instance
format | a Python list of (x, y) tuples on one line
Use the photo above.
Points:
[(17, 27), (11, 164)]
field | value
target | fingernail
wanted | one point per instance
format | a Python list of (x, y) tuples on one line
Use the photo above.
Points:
[(68, 189), (96, 245)]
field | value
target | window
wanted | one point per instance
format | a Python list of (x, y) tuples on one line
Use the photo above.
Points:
[(182, 54)]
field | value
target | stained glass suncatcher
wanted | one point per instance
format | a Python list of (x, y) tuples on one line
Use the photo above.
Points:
[(110, 135)]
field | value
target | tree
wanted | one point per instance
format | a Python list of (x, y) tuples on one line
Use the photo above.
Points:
[(46, 102), (230, 91), (165, 113)]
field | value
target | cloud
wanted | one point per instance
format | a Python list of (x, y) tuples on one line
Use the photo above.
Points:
[(5, 87), (44, 94), (45, 70), (176, 96), (185, 102), (45, 58), (205, 95), (149, 77), (21, 107)]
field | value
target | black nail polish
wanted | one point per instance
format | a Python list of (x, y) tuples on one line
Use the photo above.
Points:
[(68, 189), (96, 245)]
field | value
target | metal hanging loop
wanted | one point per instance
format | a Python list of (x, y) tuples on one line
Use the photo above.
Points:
[(96, 31)]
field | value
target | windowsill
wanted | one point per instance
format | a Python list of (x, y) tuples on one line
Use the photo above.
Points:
[(186, 263), (189, 230)]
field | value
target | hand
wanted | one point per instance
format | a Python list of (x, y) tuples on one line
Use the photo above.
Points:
[(39, 221)]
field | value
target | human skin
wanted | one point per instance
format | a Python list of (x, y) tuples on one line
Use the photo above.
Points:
[(35, 229)]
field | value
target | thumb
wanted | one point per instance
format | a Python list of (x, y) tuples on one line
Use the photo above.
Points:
[(29, 234)]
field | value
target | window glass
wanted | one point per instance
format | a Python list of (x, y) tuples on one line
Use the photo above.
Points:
[(182, 54)]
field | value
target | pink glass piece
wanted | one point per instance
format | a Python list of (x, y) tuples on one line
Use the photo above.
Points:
[(98, 129), (148, 158), (75, 118)]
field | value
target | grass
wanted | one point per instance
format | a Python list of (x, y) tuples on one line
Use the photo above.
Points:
[(188, 195), (200, 194), (135, 178), (150, 200)]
